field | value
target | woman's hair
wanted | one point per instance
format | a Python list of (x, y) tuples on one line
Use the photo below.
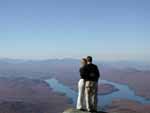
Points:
[(85, 60)]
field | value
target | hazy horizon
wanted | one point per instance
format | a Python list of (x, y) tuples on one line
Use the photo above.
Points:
[(77, 59), (45, 29)]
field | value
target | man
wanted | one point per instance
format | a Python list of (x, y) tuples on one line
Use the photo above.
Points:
[(91, 85)]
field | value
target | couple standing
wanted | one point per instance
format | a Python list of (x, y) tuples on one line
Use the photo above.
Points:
[(87, 85)]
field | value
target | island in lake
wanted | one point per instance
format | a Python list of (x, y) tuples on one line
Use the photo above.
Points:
[(104, 89)]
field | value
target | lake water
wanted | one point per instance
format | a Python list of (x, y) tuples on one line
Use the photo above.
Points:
[(124, 93)]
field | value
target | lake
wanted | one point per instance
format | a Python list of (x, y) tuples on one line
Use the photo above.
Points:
[(124, 93)]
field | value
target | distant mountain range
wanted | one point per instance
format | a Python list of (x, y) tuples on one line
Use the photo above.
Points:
[(139, 65)]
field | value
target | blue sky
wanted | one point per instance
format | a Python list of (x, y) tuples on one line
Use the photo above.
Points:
[(105, 29)]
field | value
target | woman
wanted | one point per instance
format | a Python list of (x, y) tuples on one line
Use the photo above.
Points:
[(81, 84)]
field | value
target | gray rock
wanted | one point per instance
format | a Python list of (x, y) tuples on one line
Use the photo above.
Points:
[(72, 110)]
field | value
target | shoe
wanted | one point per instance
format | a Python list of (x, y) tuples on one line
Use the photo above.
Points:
[(94, 111), (89, 110), (82, 109)]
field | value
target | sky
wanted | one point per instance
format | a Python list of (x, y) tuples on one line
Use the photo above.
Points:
[(104, 29)]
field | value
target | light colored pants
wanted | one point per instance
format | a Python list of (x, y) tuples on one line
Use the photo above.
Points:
[(81, 92), (91, 95)]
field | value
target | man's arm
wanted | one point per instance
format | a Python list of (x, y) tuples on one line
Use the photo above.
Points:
[(97, 71)]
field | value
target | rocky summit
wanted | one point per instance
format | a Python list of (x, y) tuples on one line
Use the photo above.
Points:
[(72, 110)]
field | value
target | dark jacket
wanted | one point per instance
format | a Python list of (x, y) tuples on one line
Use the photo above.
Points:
[(92, 72), (83, 72)]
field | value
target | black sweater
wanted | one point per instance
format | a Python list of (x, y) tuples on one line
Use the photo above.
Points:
[(90, 72)]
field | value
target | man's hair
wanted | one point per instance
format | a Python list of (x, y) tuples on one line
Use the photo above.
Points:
[(89, 58)]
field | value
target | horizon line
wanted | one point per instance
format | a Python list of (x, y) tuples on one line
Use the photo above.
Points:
[(71, 58)]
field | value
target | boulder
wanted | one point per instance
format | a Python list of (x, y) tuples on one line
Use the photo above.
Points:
[(72, 110)]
